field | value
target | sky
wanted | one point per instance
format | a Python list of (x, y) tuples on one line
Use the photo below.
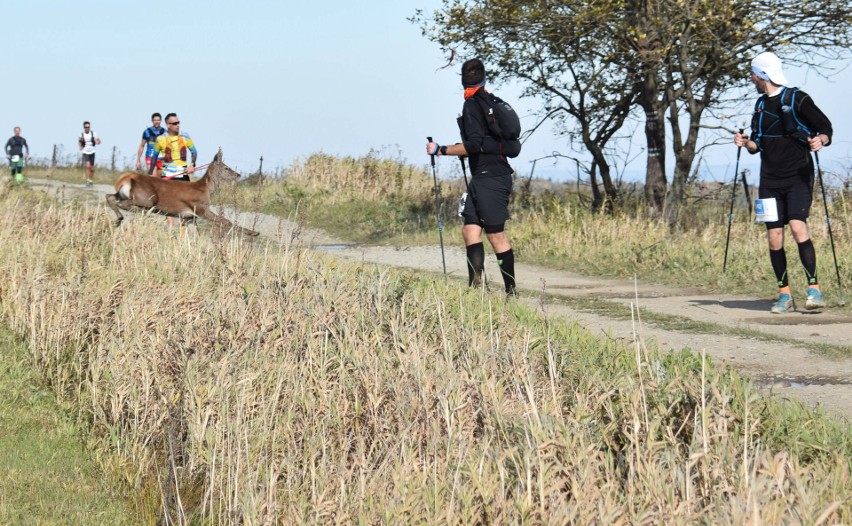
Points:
[(276, 79)]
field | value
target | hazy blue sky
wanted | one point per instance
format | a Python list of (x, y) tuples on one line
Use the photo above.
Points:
[(272, 78)]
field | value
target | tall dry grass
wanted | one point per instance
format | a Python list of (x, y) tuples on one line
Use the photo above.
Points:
[(258, 383)]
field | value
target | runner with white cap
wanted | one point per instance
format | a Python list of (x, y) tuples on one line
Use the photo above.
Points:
[(786, 126)]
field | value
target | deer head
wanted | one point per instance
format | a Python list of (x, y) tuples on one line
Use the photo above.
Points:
[(219, 172)]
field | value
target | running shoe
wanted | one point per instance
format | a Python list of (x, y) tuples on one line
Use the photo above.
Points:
[(815, 299), (783, 304), (88, 183)]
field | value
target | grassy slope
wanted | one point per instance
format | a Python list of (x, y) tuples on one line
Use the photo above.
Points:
[(325, 375), (309, 390), (46, 475)]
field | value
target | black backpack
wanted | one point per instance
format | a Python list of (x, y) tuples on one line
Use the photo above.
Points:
[(503, 122)]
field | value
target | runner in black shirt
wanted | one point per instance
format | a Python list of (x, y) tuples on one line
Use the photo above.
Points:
[(786, 127), (15, 153), (487, 204)]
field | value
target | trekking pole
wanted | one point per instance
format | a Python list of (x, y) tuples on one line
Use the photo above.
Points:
[(731, 212), (828, 221), (438, 210)]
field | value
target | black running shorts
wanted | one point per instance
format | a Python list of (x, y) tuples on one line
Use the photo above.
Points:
[(487, 202), (794, 202), (89, 158)]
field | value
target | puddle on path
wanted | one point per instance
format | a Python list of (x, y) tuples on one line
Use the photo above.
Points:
[(333, 247), (809, 318), (767, 381)]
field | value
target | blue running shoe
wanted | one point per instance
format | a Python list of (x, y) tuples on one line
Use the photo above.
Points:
[(783, 304), (815, 299)]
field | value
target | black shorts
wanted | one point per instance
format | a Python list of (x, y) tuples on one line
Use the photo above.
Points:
[(88, 158), (487, 202), (794, 202)]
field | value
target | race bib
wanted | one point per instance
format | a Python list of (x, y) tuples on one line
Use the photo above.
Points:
[(765, 210), (88, 150), (16, 158)]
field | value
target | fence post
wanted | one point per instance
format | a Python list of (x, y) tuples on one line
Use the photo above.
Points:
[(260, 172), (52, 162), (112, 164)]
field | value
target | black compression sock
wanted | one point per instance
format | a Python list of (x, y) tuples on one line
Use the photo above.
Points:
[(506, 260), (808, 257), (779, 265), (475, 264)]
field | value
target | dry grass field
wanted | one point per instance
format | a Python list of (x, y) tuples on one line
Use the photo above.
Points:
[(228, 381)]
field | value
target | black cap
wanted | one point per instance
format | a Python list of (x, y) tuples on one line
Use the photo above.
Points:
[(473, 73)]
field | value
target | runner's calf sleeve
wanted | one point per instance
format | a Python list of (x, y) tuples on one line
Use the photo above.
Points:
[(779, 265), (475, 264), (808, 257), (506, 260)]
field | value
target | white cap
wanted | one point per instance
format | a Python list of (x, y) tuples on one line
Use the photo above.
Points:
[(768, 67)]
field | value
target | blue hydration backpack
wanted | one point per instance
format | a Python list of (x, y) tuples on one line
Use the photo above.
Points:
[(790, 125)]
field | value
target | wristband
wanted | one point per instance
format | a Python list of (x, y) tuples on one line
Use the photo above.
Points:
[(443, 150)]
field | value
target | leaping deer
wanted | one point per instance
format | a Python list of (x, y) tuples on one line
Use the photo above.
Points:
[(182, 199)]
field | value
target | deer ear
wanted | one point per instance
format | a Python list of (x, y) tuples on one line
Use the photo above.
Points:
[(218, 156)]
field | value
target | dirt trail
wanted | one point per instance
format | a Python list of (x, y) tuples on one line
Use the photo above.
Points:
[(787, 369)]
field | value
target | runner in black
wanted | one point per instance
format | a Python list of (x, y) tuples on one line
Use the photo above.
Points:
[(15, 153), (786, 127), (487, 204)]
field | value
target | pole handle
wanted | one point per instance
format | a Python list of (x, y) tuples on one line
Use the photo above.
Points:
[(739, 150)]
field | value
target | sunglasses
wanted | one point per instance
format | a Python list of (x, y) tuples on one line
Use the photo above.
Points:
[(174, 123)]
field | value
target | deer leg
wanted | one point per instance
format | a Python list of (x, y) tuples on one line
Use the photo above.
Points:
[(224, 223), (112, 201)]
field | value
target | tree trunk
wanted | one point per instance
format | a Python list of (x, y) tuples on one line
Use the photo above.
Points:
[(610, 198), (655, 138), (597, 198), (684, 150)]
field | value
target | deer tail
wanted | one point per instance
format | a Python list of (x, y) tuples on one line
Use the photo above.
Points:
[(124, 188)]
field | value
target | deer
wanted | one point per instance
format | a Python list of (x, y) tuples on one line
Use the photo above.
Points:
[(183, 199)]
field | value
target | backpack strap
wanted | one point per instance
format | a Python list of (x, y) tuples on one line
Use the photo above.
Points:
[(482, 101), (792, 104)]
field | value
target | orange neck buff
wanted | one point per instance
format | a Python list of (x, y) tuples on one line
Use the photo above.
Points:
[(470, 92)]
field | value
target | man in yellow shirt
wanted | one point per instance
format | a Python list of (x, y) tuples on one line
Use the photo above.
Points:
[(173, 147)]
